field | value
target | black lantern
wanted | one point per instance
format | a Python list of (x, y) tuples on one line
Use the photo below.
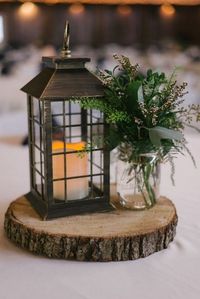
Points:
[(66, 179)]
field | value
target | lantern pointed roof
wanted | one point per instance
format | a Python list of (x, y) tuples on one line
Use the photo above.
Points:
[(62, 78)]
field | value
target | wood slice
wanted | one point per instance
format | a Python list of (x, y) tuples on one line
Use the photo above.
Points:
[(114, 236)]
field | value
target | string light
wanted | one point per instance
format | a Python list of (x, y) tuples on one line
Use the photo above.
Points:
[(76, 9), (167, 10), (124, 10), (118, 2), (28, 10)]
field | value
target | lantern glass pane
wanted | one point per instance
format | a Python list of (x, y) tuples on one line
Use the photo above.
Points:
[(37, 135), (97, 169), (38, 182), (97, 162), (69, 164), (59, 191), (77, 188), (95, 139), (77, 173), (37, 163), (98, 184), (35, 108), (37, 146), (57, 108)]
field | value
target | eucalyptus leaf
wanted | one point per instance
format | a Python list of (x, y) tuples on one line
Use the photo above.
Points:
[(132, 99), (158, 133), (133, 89), (113, 138), (149, 73)]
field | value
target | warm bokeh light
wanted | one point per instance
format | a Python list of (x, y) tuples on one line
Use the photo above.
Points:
[(28, 10), (167, 10), (124, 10), (117, 2), (76, 9)]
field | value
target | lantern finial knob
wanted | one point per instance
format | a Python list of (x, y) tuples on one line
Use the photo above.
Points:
[(65, 52)]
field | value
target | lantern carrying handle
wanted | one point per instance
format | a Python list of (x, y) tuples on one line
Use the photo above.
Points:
[(65, 52)]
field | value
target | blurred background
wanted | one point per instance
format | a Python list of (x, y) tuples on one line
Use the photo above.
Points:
[(156, 34)]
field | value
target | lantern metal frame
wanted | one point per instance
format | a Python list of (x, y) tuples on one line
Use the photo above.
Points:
[(62, 79)]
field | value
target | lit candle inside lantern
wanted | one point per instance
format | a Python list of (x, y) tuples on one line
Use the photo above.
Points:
[(75, 165)]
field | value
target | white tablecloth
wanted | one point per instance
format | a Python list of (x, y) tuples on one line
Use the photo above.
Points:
[(173, 273)]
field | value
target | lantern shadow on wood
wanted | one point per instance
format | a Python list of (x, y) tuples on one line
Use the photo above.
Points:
[(65, 179)]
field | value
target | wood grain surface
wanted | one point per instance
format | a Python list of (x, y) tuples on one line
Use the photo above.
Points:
[(114, 236)]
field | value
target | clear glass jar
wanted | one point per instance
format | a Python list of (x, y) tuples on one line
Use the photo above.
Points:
[(138, 182)]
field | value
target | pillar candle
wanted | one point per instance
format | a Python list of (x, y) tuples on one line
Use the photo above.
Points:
[(76, 165)]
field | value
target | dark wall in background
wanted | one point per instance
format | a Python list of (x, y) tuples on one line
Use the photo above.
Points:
[(100, 24)]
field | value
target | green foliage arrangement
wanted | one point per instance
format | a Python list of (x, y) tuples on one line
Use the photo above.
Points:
[(145, 112)]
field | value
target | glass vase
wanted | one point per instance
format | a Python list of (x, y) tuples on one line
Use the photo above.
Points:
[(138, 182)]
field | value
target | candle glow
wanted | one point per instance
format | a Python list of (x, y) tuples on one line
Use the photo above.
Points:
[(75, 166)]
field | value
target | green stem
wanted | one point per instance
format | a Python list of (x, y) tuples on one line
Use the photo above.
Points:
[(147, 171)]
